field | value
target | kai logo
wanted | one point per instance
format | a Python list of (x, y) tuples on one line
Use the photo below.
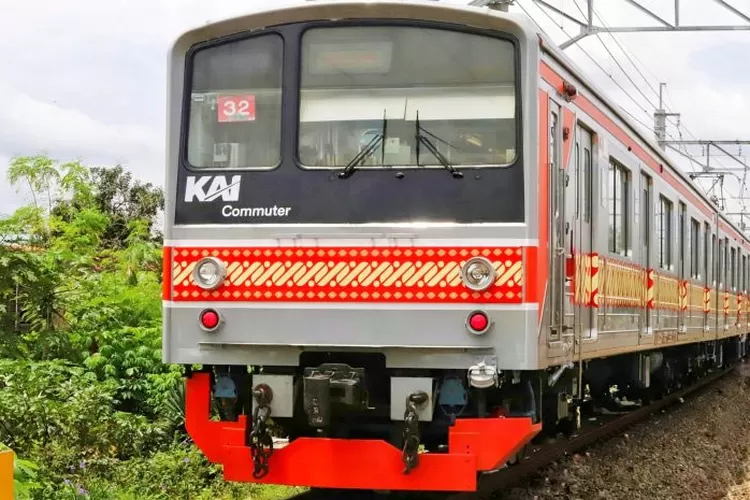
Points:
[(211, 188)]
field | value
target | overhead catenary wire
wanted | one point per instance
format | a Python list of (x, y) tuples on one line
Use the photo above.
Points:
[(627, 75), (691, 164), (678, 124), (625, 52), (641, 107), (611, 77)]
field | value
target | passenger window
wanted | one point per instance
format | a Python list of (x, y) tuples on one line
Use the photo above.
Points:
[(664, 233), (619, 207), (587, 184), (694, 247)]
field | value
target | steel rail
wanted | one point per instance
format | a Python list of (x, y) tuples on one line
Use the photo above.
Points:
[(511, 476), (546, 454)]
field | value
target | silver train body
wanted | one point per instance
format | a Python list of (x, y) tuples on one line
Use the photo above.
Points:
[(400, 197)]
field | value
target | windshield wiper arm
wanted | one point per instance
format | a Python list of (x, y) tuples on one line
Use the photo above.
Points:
[(422, 139), (366, 152)]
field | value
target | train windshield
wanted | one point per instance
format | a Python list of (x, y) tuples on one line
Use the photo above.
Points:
[(235, 105), (406, 93)]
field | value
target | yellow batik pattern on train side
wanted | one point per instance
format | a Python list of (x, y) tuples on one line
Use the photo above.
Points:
[(731, 309), (594, 275), (696, 297), (650, 285), (586, 280), (582, 265), (706, 300), (667, 292), (738, 314), (624, 284), (683, 297)]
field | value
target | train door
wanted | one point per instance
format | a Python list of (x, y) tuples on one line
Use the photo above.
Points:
[(645, 254), (584, 236), (560, 289), (681, 264), (721, 286), (708, 253)]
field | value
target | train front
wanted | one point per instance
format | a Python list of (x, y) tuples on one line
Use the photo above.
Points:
[(351, 252)]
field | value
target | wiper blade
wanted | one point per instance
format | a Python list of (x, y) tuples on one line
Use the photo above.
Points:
[(365, 153), (422, 139), (361, 156)]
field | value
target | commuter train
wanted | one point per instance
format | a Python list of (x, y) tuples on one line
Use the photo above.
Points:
[(410, 237)]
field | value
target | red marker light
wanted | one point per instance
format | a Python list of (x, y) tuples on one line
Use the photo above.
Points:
[(478, 322), (209, 319)]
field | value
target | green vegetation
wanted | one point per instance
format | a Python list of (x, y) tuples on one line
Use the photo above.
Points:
[(85, 401)]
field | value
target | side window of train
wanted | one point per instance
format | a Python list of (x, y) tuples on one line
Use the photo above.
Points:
[(733, 269), (725, 267), (694, 248), (664, 233), (681, 221), (553, 148), (588, 185), (743, 275), (721, 276), (707, 252), (618, 203), (714, 259)]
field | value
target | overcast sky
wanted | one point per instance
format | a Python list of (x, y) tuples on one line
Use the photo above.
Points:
[(85, 79)]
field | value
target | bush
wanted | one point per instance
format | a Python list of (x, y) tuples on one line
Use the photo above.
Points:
[(84, 395), (62, 414)]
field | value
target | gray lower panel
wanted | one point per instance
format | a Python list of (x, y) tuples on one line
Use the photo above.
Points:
[(410, 338)]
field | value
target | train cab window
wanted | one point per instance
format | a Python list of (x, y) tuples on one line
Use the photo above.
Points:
[(235, 104), (408, 96), (664, 233), (619, 208)]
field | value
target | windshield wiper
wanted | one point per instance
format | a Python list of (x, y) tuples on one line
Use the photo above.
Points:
[(422, 139), (366, 152)]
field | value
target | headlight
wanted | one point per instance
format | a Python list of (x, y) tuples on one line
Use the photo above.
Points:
[(478, 274), (209, 273)]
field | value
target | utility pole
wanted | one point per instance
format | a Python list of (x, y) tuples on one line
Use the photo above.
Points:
[(660, 119)]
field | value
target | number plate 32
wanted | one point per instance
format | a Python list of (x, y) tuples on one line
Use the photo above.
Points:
[(236, 108)]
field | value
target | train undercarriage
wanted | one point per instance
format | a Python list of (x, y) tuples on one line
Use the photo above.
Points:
[(435, 430)]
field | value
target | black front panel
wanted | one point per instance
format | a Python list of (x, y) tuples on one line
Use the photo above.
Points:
[(290, 193), (307, 196)]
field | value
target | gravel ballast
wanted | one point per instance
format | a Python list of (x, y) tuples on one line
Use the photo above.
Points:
[(699, 450)]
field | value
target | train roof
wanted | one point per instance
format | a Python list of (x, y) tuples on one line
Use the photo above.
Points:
[(338, 9)]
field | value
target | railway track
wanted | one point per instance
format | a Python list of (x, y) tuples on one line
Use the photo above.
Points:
[(539, 456)]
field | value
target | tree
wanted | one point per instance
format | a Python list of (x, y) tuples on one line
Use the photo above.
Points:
[(123, 200), (64, 190), (86, 235)]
